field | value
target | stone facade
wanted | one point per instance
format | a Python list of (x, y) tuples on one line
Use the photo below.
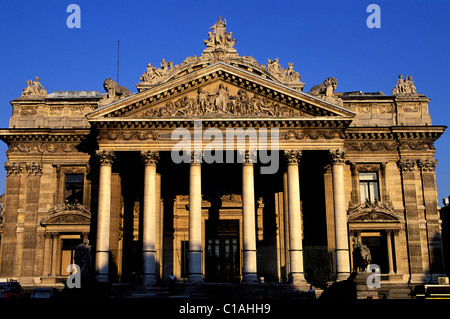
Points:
[(98, 167)]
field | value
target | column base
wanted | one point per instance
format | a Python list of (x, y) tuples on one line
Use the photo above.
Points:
[(250, 278), (298, 280), (342, 276), (195, 279), (149, 280)]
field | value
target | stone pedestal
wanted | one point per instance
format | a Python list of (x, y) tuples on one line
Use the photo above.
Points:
[(362, 288)]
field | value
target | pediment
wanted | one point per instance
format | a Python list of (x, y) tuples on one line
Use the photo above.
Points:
[(66, 214), (373, 212), (219, 90)]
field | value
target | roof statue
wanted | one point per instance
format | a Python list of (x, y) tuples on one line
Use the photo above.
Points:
[(34, 88), (220, 48), (219, 38), (115, 92), (404, 86), (326, 91)]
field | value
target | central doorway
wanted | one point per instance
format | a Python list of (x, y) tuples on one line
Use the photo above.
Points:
[(222, 260)]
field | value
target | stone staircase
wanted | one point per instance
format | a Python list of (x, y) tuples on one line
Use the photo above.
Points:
[(214, 291)]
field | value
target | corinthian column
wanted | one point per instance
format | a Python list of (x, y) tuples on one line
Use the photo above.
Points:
[(195, 219), (340, 215), (248, 220), (104, 211), (295, 222), (150, 158)]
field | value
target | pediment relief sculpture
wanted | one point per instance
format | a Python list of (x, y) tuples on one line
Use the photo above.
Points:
[(220, 102), (219, 47), (373, 212), (326, 90), (67, 213)]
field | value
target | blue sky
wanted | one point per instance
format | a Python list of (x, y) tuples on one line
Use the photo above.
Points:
[(321, 38)]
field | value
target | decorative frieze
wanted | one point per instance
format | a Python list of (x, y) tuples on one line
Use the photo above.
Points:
[(372, 145), (105, 157), (127, 135), (313, 134)]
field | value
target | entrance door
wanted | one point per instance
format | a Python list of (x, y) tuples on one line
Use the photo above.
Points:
[(378, 251), (222, 251)]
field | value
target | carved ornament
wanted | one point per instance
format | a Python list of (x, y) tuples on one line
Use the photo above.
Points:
[(373, 212), (67, 213), (221, 102), (219, 47), (34, 89), (105, 157), (292, 157)]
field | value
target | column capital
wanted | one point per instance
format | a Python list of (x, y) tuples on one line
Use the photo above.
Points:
[(247, 156), (13, 168), (150, 157), (406, 165), (105, 157), (427, 165), (196, 157), (292, 157), (34, 168), (337, 156)]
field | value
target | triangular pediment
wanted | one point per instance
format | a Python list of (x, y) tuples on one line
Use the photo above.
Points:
[(219, 90)]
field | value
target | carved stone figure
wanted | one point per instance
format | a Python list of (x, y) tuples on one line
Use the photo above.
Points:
[(404, 86), (219, 38), (361, 256), (326, 90), (34, 88), (115, 91)]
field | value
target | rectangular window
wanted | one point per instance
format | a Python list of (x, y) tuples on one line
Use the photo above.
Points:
[(74, 188), (368, 186)]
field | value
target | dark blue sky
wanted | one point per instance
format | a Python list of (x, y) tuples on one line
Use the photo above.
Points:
[(321, 38)]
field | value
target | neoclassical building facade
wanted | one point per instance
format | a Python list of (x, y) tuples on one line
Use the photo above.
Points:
[(221, 169)]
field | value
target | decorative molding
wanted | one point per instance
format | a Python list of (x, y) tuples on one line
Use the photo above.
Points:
[(372, 145)]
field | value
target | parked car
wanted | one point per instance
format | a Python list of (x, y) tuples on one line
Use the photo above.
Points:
[(10, 289)]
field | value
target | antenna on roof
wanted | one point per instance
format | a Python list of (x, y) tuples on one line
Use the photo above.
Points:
[(118, 51)]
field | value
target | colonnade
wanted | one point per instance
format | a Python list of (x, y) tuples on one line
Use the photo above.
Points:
[(249, 267)]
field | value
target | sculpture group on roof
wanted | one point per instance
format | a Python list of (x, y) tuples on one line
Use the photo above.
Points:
[(404, 86), (34, 88)]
